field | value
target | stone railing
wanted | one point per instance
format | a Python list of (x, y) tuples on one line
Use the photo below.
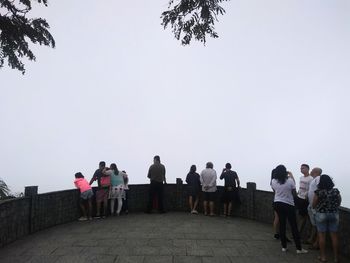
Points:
[(34, 212)]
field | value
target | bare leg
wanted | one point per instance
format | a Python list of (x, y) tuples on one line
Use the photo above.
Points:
[(190, 202), (205, 204), (98, 208), (316, 244), (313, 234), (90, 208), (195, 204), (83, 210), (229, 209), (211, 206), (322, 243), (334, 238), (105, 206), (120, 204), (112, 206)]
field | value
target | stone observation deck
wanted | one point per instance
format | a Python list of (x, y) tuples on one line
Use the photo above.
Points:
[(177, 236), (172, 237)]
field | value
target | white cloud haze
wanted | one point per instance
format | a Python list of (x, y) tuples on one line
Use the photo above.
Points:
[(273, 88)]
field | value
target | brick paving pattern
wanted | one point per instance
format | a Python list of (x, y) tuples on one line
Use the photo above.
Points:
[(175, 237)]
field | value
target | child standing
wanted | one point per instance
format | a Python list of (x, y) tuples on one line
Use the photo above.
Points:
[(85, 196)]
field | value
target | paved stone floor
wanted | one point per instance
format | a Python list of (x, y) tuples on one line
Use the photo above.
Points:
[(171, 237)]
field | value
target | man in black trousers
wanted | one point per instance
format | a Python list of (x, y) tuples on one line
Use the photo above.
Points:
[(156, 174)]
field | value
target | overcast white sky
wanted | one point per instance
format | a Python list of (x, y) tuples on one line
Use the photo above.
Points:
[(274, 88)]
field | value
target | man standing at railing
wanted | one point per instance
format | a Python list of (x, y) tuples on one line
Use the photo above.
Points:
[(316, 174), (302, 202), (103, 182), (156, 174)]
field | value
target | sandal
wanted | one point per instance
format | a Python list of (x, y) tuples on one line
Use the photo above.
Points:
[(321, 260)]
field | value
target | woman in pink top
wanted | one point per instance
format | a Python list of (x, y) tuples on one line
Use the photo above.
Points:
[(85, 195)]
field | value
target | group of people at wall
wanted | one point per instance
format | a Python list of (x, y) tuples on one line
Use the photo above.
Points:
[(204, 182), (316, 200), (112, 184)]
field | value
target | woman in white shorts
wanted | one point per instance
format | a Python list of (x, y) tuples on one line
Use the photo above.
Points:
[(116, 189)]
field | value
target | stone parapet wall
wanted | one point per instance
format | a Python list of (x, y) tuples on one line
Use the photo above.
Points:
[(22, 216), (14, 219), (344, 231), (54, 208)]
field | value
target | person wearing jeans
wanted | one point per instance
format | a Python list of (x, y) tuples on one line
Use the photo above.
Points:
[(284, 187), (327, 201)]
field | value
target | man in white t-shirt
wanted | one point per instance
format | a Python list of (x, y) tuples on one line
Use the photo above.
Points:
[(302, 201), (208, 181), (315, 173)]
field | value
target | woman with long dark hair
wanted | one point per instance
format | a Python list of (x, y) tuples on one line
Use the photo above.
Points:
[(326, 201), (194, 184), (116, 190), (284, 187)]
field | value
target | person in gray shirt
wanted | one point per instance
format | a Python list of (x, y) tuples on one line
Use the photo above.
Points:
[(156, 174)]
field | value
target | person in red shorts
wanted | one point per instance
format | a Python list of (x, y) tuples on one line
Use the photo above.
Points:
[(103, 183)]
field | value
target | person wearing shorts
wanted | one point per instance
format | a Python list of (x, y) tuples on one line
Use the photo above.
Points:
[(230, 194), (103, 182), (116, 190), (315, 173), (327, 201), (85, 196), (194, 186), (208, 181)]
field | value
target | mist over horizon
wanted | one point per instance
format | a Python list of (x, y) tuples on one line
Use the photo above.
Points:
[(272, 89)]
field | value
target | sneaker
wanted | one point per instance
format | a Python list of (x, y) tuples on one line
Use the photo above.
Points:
[(284, 249), (276, 236), (83, 218), (194, 212), (302, 251)]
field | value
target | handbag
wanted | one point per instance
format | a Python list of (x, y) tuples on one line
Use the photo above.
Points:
[(106, 180)]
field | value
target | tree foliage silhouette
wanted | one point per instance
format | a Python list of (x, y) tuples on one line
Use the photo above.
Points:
[(188, 19), (192, 18), (4, 190), (16, 30)]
